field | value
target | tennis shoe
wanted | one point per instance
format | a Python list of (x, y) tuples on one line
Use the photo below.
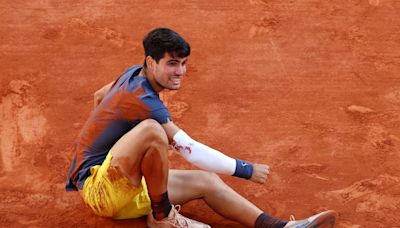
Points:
[(174, 220)]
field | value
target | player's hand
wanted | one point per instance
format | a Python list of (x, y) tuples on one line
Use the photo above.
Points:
[(97, 97), (99, 94), (260, 173)]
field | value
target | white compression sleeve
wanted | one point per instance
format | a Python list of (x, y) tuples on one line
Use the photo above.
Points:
[(203, 156)]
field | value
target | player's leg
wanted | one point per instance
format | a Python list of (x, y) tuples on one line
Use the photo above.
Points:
[(186, 185), (143, 151)]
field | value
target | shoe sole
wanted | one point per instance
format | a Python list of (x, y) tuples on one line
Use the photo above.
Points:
[(325, 219)]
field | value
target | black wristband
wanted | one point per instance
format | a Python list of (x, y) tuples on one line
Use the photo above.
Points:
[(243, 169)]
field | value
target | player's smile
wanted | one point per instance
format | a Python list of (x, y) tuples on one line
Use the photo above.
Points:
[(176, 80), (169, 72)]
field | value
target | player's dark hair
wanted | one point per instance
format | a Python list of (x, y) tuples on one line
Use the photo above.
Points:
[(163, 40)]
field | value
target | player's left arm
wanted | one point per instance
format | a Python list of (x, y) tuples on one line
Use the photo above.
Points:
[(99, 94), (213, 160)]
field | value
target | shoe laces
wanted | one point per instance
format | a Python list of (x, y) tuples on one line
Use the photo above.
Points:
[(178, 208), (292, 218), (179, 220)]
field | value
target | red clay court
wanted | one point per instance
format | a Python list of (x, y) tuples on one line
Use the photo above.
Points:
[(311, 88)]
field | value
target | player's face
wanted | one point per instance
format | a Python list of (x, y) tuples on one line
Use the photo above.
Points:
[(169, 71)]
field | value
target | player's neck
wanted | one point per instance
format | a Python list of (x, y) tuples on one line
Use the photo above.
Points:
[(154, 84)]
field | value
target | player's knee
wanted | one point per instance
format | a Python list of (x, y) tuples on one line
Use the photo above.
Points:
[(154, 132), (211, 180)]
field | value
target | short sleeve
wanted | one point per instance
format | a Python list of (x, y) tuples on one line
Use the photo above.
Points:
[(162, 115), (157, 109)]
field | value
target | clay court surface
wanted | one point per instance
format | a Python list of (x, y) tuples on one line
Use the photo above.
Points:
[(311, 88)]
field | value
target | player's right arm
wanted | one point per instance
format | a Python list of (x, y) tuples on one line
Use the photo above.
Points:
[(212, 160), (99, 94)]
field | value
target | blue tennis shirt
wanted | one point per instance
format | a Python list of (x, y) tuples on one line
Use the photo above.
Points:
[(130, 100)]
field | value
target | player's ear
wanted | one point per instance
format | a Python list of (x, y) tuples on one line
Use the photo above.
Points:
[(150, 62)]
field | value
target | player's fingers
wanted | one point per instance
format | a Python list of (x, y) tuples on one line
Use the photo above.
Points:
[(265, 179), (265, 171), (265, 176)]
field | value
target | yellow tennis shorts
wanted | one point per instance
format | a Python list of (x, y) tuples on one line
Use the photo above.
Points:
[(109, 193)]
